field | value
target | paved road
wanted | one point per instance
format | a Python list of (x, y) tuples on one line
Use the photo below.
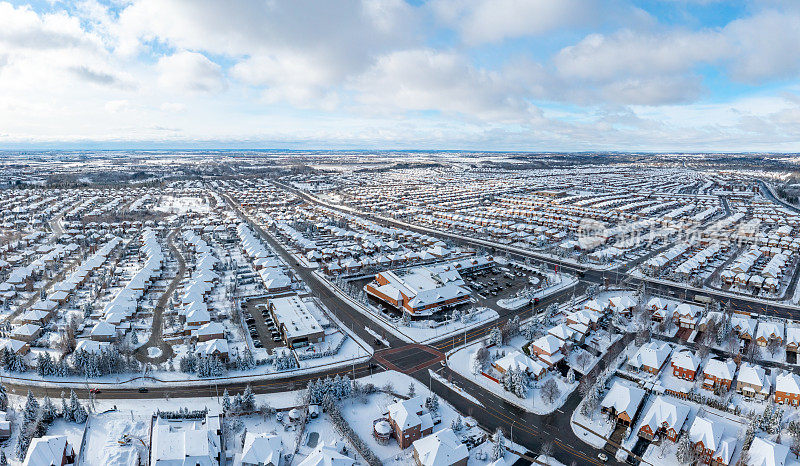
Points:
[(156, 339)]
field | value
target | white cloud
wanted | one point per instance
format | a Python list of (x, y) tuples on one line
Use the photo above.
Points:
[(425, 79), (481, 21), (190, 71)]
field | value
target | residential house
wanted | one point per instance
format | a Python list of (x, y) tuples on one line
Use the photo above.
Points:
[(753, 381), (409, 421), (744, 327), (764, 452), (622, 402), (186, 441), (665, 417), (440, 449), (328, 455), (685, 364), (768, 331), (548, 349), (516, 360), (262, 449), (710, 441), (650, 357), (719, 373), (50, 450), (787, 388), (686, 315), (792, 339)]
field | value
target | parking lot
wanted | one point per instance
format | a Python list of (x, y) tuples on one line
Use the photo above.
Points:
[(500, 282), (262, 329)]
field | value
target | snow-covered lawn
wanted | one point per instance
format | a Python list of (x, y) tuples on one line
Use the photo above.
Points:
[(459, 361), (593, 430), (116, 437)]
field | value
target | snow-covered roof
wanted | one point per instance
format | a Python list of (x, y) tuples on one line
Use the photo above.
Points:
[(787, 382), (519, 361), (666, 411), (686, 359), (623, 398), (720, 369), (657, 303), (767, 453), (769, 329), (212, 347), (651, 354), (754, 375), (442, 448), (177, 443), (48, 450), (548, 343), (712, 434), (405, 412), (262, 448), (327, 455)]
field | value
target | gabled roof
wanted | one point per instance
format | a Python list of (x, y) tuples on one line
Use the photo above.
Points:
[(720, 369), (440, 449), (404, 412), (667, 412), (766, 453), (623, 398), (48, 450), (262, 448), (651, 354), (754, 375), (787, 382), (686, 359)]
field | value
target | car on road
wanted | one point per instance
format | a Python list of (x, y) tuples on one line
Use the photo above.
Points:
[(377, 342), (602, 457), (94, 391), (143, 390)]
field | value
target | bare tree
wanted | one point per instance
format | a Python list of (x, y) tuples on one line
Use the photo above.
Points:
[(547, 451), (550, 391), (703, 349), (773, 346), (583, 359)]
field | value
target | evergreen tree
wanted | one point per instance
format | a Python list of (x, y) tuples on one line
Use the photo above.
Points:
[(248, 400), (3, 398), (432, 403), (518, 383), (22, 446), (3, 460), (79, 413), (456, 425), (498, 445), (412, 391), (65, 411), (31, 408), (226, 402), (684, 453), (49, 413)]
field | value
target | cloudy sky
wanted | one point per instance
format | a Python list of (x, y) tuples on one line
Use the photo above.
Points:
[(688, 75)]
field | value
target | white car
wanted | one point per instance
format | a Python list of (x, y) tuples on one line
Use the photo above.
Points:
[(602, 457)]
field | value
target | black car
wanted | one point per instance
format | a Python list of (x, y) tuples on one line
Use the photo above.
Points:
[(377, 342), (143, 390)]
